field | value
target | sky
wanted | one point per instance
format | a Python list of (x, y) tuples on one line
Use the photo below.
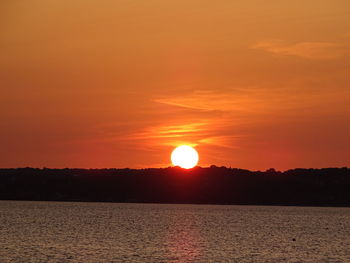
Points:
[(252, 84)]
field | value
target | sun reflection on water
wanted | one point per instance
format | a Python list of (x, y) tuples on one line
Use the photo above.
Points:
[(184, 242)]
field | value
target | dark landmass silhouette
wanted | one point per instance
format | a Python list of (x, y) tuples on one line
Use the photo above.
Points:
[(213, 185)]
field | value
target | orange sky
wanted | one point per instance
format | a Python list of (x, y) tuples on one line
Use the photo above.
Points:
[(251, 83)]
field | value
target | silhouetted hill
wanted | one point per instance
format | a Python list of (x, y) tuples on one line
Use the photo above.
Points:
[(214, 185)]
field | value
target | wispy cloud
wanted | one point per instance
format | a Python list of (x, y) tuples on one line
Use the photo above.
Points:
[(212, 100), (238, 101), (225, 113), (216, 118), (309, 50), (198, 131)]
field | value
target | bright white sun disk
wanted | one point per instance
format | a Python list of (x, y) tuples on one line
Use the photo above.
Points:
[(184, 156)]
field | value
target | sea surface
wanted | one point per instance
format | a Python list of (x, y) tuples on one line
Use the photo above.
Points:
[(112, 232)]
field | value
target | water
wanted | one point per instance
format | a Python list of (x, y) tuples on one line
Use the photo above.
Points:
[(107, 232)]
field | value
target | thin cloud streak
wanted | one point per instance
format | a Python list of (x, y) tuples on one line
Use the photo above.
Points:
[(248, 101), (200, 132), (308, 50)]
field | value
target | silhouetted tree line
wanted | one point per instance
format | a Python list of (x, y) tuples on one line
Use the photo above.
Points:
[(213, 185)]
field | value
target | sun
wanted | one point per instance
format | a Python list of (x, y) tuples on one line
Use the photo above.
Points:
[(184, 156)]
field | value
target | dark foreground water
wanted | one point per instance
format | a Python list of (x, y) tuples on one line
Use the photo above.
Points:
[(106, 232)]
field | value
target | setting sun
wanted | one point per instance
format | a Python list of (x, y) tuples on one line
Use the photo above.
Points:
[(184, 156)]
